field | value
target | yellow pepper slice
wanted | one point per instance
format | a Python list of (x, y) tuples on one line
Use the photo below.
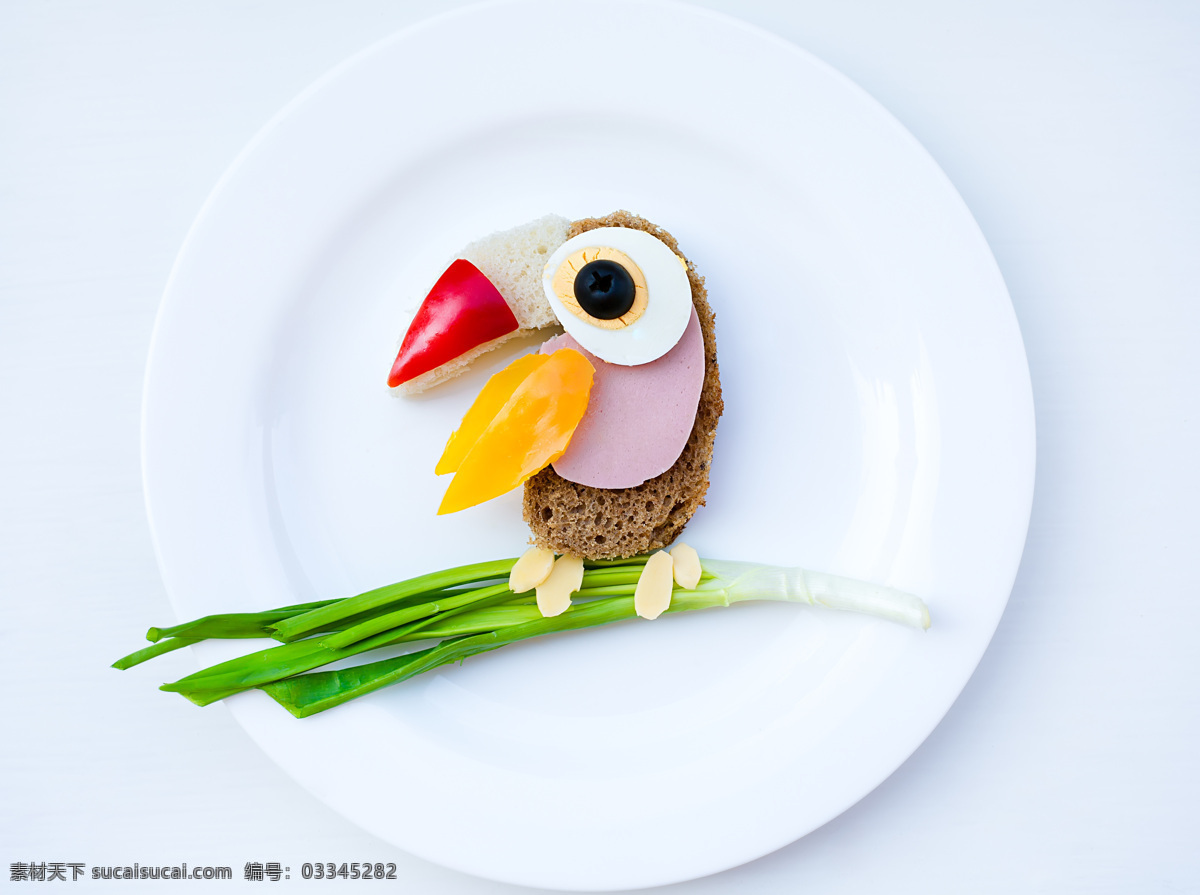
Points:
[(491, 398), (530, 431)]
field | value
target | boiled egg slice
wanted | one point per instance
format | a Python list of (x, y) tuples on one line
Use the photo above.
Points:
[(620, 293)]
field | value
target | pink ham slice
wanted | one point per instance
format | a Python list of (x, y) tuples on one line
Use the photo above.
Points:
[(638, 418)]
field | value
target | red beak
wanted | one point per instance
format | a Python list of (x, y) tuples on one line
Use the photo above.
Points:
[(462, 312)]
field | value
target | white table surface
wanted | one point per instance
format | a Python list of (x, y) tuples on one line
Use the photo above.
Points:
[(1071, 762)]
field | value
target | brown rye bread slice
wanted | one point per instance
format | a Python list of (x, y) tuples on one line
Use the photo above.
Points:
[(602, 523)]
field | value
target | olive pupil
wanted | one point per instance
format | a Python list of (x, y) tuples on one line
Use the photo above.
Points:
[(604, 289)]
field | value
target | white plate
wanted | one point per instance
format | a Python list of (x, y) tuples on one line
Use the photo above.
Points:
[(878, 423)]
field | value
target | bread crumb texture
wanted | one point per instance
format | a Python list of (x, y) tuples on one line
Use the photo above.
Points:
[(601, 523), (450, 368), (513, 260)]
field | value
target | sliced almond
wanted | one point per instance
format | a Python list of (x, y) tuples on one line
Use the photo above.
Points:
[(530, 570), (653, 593), (554, 594), (686, 565)]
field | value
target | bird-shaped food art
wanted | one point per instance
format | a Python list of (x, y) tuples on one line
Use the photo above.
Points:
[(610, 426)]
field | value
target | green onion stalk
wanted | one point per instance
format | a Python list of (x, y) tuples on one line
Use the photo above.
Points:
[(459, 613)]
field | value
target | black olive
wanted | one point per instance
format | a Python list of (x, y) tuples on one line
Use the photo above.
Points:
[(604, 289)]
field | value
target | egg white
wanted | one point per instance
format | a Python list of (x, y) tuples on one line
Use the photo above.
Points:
[(668, 298)]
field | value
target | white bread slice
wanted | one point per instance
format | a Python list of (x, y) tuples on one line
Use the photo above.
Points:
[(451, 368), (513, 261)]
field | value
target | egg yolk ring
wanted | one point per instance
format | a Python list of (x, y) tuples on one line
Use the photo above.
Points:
[(563, 285)]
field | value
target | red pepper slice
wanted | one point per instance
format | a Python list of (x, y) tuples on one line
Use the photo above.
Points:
[(462, 311)]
